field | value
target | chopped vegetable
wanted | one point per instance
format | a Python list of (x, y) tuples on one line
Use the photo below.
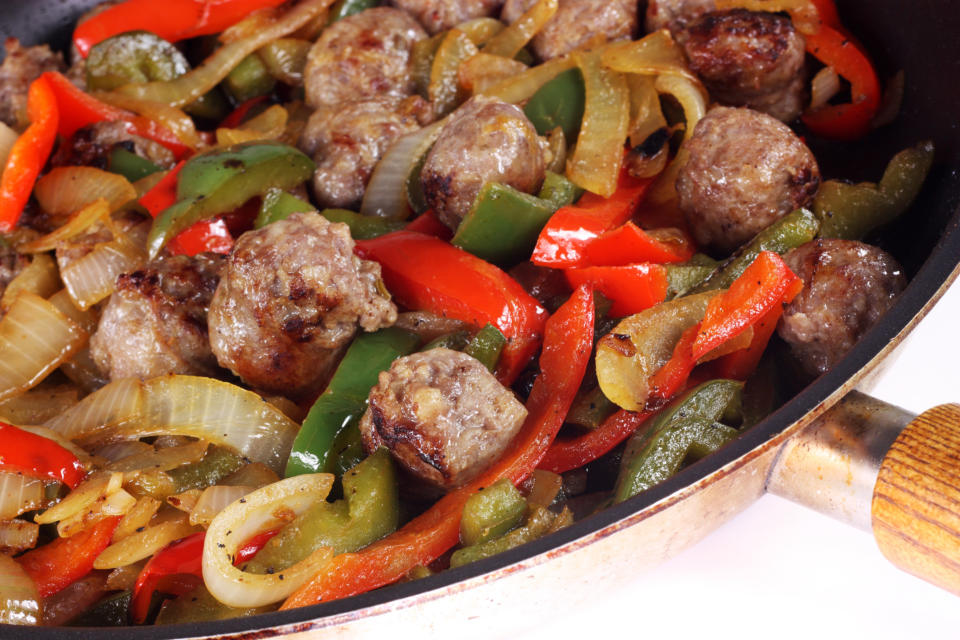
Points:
[(632, 288), (133, 56), (63, 561), (180, 557), (19, 599), (486, 346), (25, 452), (491, 513)]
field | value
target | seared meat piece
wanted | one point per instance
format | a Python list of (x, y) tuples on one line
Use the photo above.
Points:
[(437, 15), (22, 66), (748, 58), (576, 23), (442, 415), (155, 323), (91, 147), (675, 14), (362, 56), (486, 140), (848, 286), (347, 141), (291, 297), (746, 169)]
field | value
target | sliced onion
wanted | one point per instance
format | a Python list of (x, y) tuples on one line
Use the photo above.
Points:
[(64, 303), (83, 371), (79, 222), (690, 94), (222, 413), (215, 499), (161, 459), (93, 277), (655, 54), (123, 578), (40, 278), (7, 137), (480, 30), (138, 517), (35, 339), (386, 193), (545, 487), (19, 598), (143, 544), (185, 501), (19, 493), (515, 37), (118, 503), (269, 125), (85, 494), (257, 513), (68, 189), (444, 90), (190, 86), (17, 535), (38, 405), (119, 450), (171, 118), (646, 115), (824, 86), (595, 163), (479, 73), (557, 147), (523, 85), (253, 475)]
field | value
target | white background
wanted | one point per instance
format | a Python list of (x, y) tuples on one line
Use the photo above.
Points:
[(779, 570)]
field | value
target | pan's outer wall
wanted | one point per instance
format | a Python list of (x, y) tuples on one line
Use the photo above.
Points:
[(604, 550)]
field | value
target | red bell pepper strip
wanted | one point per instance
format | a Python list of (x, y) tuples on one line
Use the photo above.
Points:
[(572, 453), (571, 229), (632, 288), (238, 115), (567, 344), (63, 561), (172, 20), (206, 235), (671, 377), (766, 283), (741, 364), (827, 12), (252, 546), (424, 272), (29, 153), (850, 120), (428, 223), (629, 244), (33, 455), (79, 109), (183, 556)]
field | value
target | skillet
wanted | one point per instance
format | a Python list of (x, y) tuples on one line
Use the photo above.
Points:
[(611, 546)]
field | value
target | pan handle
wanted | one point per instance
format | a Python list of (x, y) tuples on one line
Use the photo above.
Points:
[(884, 470)]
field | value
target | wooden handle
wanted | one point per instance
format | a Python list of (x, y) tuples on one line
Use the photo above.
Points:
[(916, 501)]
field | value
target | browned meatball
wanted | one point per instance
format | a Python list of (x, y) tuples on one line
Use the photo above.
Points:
[(291, 297), (437, 15), (156, 321), (848, 285), (347, 141), (22, 66), (486, 140), (675, 14), (362, 56), (91, 146), (748, 58), (442, 415), (576, 23), (745, 170)]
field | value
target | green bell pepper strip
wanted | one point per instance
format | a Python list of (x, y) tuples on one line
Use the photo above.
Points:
[(285, 59), (134, 56), (486, 346), (656, 452), (541, 522), (559, 103), (457, 340), (850, 211), (343, 402), (346, 452), (221, 181), (558, 190), (363, 227), (789, 232), (216, 465), (130, 165), (710, 439), (197, 605), (369, 510), (492, 512), (277, 204), (343, 8), (249, 79), (590, 408), (503, 224)]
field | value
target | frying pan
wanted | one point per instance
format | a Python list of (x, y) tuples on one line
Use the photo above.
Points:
[(610, 547)]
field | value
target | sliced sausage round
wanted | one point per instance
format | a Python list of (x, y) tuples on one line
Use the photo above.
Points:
[(347, 141), (362, 56), (848, 285), (442, 415), (155, 322), (748, 58), (745, 170), (21, 66), (291, 297), (576, 23), (486, 140), (437, 15)]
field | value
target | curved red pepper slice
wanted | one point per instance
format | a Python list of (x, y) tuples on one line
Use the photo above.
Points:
[(33, 455), (629, 244), (572, 453), (172, 20), (29, 153), (632, 288), (60, 563), (184, 556), (567, 344), (424, 272)]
